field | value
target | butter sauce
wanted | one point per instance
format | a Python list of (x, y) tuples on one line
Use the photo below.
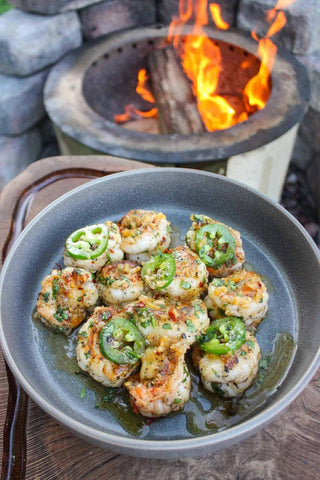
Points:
[(204, 413)]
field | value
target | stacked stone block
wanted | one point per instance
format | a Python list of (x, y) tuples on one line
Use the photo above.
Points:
[(29, 45)]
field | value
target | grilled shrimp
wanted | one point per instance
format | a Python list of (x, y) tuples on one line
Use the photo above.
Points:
[(89, 356), (163, 384), (120, 282), (241, 294), (213, 310), (190, 277), (176, 322), (64, 298), (231, 265), (230, 374), (113, 253), (143, 233)]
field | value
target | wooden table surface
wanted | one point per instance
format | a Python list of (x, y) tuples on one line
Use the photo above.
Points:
[(289, 448)]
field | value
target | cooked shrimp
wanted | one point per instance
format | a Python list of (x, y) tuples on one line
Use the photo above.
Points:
[(113, 253), (214, 311), (241, 294), (120, 282), (64, 298), (176, 322), (89, 356), (230, 374), (163, 385), (143, 233), (190, 277), (231, 265)]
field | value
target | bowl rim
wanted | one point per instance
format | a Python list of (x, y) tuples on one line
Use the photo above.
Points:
[(196, 443)]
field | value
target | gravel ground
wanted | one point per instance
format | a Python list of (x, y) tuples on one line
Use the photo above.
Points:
[(297, 199)]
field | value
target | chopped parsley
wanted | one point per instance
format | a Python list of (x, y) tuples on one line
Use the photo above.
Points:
[(177, 401), (55, 287), (231, 285), (166, 326), (105, 315), (263, 367), (61, 314), (46, 296), (187, 374), (218, 282), (216, 388), (83, 393), (190, 326), (106, 281), (185, 285), (251, 343)]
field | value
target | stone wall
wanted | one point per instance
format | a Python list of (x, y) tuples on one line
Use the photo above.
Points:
[(37, 33)]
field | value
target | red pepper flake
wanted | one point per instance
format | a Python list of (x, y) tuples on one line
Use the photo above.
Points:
[(150, 420), (172, 314), (135, 408)]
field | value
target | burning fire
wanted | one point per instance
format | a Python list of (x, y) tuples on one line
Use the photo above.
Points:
[(130, 112), (202, 63)]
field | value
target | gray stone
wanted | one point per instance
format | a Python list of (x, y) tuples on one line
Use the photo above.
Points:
[(50, 7), (312, 62), (310, 129), (112, 15), (47, 132), (302, 153), (167, 9), (51, 150), (21, 103), (301, 32), (28, 42), (17, 153)]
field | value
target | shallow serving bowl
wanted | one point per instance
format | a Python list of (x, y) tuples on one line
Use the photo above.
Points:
[(275, 245)]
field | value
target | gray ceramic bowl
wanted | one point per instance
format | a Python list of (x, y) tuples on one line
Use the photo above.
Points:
[(275, 244)]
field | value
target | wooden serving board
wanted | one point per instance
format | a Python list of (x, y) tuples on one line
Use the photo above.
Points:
[(287, 449)]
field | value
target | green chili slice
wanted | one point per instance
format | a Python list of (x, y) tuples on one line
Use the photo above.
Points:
[(88, 243), (159, 271), (224, 335), (121, 342), (215, 244)]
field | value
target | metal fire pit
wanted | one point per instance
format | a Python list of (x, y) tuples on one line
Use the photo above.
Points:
[(91, 84)]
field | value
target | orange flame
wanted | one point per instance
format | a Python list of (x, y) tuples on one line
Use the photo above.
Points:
[(130, 112), (278, 24), (281, 4), (201, 61), (215, 11), (256, 91), (141, 88)]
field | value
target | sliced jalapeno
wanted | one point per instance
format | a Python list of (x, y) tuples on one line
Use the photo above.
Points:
[(224, 335), (215, 244), (121, 342), (159, 271), (89, 242)]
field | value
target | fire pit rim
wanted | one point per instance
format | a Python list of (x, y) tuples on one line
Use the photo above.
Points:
[(69, 110)]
